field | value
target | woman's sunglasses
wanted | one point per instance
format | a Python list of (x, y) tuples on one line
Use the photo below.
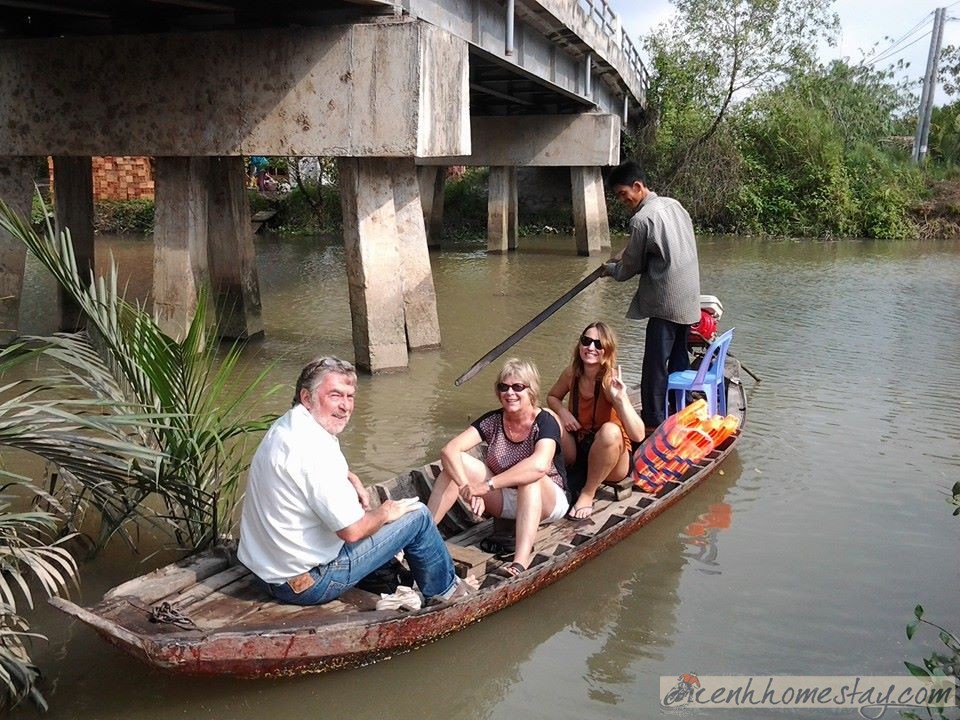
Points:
[(587, 341), (516, 387)]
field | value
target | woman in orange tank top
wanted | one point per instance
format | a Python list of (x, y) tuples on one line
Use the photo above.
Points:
[(599, 420)]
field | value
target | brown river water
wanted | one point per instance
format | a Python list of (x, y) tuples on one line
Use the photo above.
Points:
[(804, 556)]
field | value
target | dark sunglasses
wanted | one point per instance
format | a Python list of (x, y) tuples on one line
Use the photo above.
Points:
[(587, 341), (516, 387)]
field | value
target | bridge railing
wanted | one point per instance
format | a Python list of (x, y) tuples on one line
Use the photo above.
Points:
[(606, 18)]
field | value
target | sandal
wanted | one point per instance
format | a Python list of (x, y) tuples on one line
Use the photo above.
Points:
[(510, 570)]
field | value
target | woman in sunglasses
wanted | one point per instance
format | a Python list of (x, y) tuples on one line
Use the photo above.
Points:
[(522, 475), (599, 421)]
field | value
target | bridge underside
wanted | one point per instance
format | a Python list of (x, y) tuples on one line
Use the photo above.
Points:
[(394, 99)]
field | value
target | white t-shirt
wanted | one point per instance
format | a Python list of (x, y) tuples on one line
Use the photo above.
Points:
[(298, 497)]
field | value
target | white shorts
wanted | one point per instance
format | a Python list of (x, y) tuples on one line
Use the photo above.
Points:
[(560, 505)]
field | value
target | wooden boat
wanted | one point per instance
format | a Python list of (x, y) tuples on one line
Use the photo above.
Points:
[(206, 615)]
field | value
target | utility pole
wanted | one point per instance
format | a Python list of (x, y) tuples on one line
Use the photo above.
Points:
[(929, 87)]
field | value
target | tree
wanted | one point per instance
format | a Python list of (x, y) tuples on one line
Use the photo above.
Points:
[(949, 69), (717, 52)]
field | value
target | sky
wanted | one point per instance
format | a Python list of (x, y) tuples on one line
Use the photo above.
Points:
[(862, 24)]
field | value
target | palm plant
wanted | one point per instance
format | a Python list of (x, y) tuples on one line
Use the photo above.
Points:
[(131, 417)]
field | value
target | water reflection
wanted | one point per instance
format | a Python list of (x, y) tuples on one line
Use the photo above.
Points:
[(702, 536), (638, 623)]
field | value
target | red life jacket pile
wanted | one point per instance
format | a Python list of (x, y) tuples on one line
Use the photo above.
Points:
[(683, 439)]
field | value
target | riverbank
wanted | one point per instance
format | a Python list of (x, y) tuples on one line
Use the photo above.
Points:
[(938, 216), (313, 210)]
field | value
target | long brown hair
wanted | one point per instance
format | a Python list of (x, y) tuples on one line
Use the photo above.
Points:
[(609, 340)]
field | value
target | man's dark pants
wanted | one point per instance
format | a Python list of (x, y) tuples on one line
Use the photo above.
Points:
[(665, 352)]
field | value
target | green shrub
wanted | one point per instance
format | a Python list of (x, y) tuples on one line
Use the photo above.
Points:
[(39, 208), (465, 204), (120, 216), (310, 210)]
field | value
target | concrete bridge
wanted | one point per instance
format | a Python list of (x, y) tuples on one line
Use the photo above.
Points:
[(394, 90)]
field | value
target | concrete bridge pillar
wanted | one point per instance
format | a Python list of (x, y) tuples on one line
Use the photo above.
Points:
[(590, 225), (180, 240), (231, 254), (16, 190), (432, 179), (502, 209), (73, 206), (371, 244), (419, 295)]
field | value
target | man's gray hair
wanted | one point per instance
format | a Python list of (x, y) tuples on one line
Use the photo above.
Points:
[(317, 369)]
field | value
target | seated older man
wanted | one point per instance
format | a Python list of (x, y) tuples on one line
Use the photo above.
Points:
[(307, 530)]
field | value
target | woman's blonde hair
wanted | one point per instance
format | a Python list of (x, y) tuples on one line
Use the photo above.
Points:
[(608, 338), (525, 372)]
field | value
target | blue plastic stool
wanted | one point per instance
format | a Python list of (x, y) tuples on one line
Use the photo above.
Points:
[(708, 378)]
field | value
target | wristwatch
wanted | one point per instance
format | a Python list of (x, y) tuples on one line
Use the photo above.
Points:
[(490, 484)]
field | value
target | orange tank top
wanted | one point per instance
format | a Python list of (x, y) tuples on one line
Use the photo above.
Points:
[(594, 411)]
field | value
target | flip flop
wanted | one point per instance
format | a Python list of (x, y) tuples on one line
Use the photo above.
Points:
[(510, 570), (571, 513)]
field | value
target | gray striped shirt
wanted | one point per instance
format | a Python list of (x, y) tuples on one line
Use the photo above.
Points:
[(662, 250)]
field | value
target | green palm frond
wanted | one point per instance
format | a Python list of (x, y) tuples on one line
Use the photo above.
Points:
[(18, 674), (25, 552)]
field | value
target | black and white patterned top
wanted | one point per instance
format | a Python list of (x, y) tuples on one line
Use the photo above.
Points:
[(503, 453)]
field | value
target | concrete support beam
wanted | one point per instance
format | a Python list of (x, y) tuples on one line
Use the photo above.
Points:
[(502, 210), (431, 181), (395, 88), (73, 205), (180, 240), (435, 229), (231, 256), (419, 295), (589, 139), (590, 225), (16, 190), (374, 273)]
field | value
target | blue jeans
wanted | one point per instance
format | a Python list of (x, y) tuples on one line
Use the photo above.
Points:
[(414, 533), (664, 352)]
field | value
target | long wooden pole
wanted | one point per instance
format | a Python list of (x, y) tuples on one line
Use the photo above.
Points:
[(547, 312), (743, 367)]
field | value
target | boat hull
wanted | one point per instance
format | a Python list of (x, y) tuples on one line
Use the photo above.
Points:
[(302, 645)]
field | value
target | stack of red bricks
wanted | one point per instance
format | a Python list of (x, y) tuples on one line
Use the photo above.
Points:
[(119, 178), (122, 178)]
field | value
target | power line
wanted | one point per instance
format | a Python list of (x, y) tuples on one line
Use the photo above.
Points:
[(923, 21), (887, 54), (894, 47), (914, 42)]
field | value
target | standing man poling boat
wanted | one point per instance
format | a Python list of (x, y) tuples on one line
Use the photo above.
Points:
[(662, 251)]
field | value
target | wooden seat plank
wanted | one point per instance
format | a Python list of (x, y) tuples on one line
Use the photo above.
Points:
[(186, 597), (160, 583), (468, 559)]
